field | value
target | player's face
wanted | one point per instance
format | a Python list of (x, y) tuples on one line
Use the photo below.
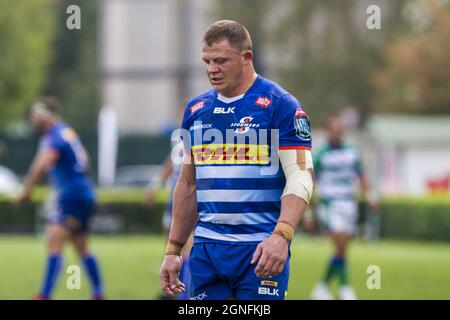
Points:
[(224, 67), (36, 122), (335, 130)]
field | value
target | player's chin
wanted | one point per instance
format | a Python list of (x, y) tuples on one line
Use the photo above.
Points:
[(218, 85)]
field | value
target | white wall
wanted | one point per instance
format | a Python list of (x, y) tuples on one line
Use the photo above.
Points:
[(421, 164)]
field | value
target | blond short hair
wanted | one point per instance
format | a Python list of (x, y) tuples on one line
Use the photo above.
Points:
[(236, 34)]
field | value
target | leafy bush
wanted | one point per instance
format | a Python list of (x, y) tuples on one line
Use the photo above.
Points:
[(416, 218), (119, 210), (122, 210)]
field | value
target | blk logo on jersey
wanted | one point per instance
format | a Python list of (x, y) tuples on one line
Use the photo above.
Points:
[(244, 125), (302, 126), (219, 110), (263, 102)]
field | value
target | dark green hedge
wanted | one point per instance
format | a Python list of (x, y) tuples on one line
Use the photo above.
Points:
[(123, 211), (416, 218), (119, 210)]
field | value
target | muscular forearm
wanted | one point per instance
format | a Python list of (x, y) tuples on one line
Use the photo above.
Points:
[(185, 213), (297, 167), (34, 176), (292, 209), (166, 170), (42, 163)]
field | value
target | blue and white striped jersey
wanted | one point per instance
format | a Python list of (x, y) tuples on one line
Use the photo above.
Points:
[(232, 141), (337, 170)]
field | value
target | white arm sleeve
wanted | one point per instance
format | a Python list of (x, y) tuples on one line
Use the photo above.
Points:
[(299, 180)]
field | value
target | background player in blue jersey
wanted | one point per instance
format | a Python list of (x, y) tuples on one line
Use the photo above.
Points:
[(244, 207), (61, 154), (339, 172)]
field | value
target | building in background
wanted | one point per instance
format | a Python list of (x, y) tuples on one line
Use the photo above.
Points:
[(413, 153), (150, 60), (403, 155)]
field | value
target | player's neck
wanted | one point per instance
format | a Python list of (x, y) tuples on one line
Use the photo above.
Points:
[(336, 143), (246, 84), (49, 125)]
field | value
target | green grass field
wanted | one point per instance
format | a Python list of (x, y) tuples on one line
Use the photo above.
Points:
[(130, 264)]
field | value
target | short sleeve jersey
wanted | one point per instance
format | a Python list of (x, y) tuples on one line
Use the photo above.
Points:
[(68, 175), (233, 142), (337, 171)]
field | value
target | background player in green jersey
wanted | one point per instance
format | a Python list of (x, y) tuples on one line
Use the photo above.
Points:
[(339, 174)]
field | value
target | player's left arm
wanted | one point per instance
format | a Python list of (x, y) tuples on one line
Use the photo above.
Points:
[(43, 161), (296, 161), (272, 253)]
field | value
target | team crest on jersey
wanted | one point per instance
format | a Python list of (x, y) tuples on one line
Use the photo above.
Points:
[(244, 125), (302, 126), (230, 154), (300, 112), (263, 102), (197, 106)]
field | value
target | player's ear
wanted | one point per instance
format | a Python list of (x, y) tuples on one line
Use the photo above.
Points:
[(248, 56)]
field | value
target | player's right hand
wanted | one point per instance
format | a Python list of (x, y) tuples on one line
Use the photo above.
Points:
[(270, 255), (168, 277)]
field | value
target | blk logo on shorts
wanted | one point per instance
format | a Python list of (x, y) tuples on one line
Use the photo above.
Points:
[(268, 291)]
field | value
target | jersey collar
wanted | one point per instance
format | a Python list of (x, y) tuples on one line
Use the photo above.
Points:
[(220, 97)]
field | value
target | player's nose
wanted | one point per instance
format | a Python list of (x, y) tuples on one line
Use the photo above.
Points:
[(212, 68)]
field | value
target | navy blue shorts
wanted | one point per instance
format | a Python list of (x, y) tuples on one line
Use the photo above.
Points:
[(221, 270), (73, 213)]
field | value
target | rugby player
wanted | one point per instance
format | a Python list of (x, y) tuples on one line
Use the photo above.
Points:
[(338, 171), (61, 154), (244, 213)]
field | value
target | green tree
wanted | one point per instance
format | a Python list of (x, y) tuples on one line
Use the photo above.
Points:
[(252, 14), (331, 54), (26, 31), (74, 72), (322, 51), (417, 73)]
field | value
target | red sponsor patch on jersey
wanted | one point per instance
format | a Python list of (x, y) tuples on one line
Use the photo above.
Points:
[(300, 113), (197, 106), (263, 102)]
